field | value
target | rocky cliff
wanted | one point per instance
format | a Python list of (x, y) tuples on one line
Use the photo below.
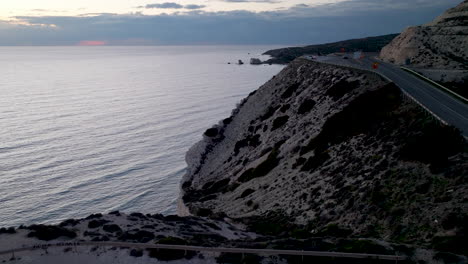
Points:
[(333, 151), (439, 47)]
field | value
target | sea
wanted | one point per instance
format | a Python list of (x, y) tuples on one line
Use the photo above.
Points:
[(96, 129)]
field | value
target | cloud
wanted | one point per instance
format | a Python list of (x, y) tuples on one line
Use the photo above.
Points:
[(252, 1), (171, 5), (297, 25), (166, 5), (369, 6), (192, 6)]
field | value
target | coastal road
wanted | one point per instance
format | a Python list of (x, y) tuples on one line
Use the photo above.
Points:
[(205, 249), (445, 106)]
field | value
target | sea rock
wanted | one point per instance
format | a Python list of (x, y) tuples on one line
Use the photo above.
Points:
[(255, 61)]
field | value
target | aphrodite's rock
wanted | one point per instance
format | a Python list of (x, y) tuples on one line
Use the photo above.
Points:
[(255, 61)]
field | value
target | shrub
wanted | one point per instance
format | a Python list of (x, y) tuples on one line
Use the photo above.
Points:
[(269, 113), (455, 219), (362, 115), (290, 90), (215, 187), (455, 244), (306, 106), (252, 141), (262, 169), (140, 236), (299, 233), (136, 253), (227, 121), (341, 88), (138, 215), (112, 228), (97, 223), (246, 193), (445, 257), (10, 230), (285, 108), (433, 145), (45, 232), (362, 246), (204, 212), (279, 122), (93, 216), (315, 161), (334, 230), (71, 222), (100, 238), (273, 223), (211, 132)]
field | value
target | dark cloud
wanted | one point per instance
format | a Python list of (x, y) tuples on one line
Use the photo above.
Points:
[(166, 5), (298, 25), (252, 1), (170, 5), (192, 6), (369, 6)]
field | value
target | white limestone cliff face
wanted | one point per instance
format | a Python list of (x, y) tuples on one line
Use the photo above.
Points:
[(441, 44)]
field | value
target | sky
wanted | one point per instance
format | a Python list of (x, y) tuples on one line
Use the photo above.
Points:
[(207, 22)]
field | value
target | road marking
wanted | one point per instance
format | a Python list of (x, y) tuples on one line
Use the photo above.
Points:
[(438, 85)]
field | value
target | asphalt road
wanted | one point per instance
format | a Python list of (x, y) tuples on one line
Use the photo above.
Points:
[(206, 249), (445, 106)]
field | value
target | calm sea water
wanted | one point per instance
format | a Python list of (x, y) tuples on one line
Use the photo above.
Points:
[(96, 129)]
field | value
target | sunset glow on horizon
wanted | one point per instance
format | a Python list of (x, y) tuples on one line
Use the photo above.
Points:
[(92, 43)]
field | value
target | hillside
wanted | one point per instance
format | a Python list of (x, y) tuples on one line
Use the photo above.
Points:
[(369, 44), (330, 150)]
